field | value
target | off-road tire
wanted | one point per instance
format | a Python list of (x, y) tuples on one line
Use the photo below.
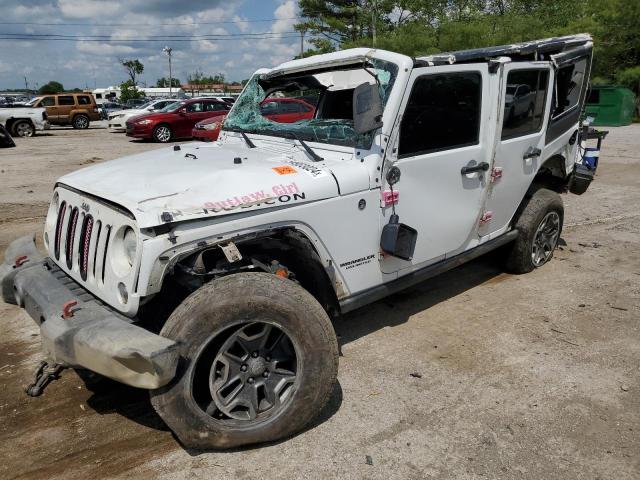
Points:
[(213, 313), (23, 128), (159, 134), (529, 217), (80, 122)]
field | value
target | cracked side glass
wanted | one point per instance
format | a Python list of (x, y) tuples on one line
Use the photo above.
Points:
[(313, 106)]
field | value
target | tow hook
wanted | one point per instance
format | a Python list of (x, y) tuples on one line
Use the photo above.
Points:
[(45, 374)]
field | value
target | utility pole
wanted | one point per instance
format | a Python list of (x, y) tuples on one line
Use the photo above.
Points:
[(168, 51), (26, 84), (373, 21), (302, 32)]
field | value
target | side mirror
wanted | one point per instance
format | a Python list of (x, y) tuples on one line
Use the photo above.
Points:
[(182, 112), (367, 108), (5, 139), (398, 239)]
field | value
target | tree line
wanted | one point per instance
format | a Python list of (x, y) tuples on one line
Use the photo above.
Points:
[(421, 27)]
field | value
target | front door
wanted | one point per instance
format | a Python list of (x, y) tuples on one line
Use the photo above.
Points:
[(49, 103), (444, 132)]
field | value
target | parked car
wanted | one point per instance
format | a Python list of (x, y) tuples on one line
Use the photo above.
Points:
[(75, 109), (24, 121), (118, 119), (106, 108), (209, 129), (242, 250), (5, 139), (174, 121), (287, 110), (136, 102), (280, 110)]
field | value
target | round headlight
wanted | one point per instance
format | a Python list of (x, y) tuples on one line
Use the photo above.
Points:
[(129, 244)]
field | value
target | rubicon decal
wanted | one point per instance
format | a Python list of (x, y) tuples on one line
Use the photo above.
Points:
[(358, 262), (281, 193)]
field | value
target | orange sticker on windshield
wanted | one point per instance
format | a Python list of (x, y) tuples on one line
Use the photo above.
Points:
[(284, 170)]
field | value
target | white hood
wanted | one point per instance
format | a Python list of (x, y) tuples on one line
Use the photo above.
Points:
[(204, 181)]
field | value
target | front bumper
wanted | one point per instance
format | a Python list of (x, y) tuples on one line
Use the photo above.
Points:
[(139, 131), (95, 337)]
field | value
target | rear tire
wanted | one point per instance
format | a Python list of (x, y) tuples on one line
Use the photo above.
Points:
[(259, 360), (539, 227), (80, 122), (23, 128), (162, 134)]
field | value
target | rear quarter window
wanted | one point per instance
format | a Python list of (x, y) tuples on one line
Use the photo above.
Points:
[(84, 100)]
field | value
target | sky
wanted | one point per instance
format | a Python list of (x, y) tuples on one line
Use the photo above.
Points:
[(114, 25)]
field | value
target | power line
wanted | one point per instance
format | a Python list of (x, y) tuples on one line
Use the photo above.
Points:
[(149, 25), (138, 40), (108, 37)]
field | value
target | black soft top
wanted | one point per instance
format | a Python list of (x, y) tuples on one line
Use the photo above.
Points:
[(525, 51)]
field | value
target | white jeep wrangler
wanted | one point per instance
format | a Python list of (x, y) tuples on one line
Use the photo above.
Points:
[(208, 273)]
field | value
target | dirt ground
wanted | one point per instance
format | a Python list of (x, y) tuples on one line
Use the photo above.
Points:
[(532, 377)]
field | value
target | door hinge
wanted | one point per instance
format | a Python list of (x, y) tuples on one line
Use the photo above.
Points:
[(486, 217), (496, 174)]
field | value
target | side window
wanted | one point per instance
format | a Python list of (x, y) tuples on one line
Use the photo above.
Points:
[(213, 107), (269, 108), (194, 107), (48, 102), (443, 112), (524, 102), (569, 81), (84, 100), (66, 100), (99, 95)]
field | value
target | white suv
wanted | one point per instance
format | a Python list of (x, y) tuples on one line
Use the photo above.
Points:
[(208, 274)]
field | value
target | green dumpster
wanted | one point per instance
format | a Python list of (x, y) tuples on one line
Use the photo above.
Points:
[(611, 105)]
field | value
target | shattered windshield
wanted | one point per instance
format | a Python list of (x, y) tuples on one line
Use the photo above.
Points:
[(313, 106)]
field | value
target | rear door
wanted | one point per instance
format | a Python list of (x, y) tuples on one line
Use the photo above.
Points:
[(524, 104), (443, 129), (66, 103)]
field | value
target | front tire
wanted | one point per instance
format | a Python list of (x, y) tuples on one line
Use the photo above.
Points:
[(259, 360), (162, 134), (23, 128), (539, 227)]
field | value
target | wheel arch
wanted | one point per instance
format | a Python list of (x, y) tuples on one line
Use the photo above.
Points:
[(288, 246), (551, 174)]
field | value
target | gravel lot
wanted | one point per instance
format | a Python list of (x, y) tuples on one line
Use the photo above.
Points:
[(533, 377)]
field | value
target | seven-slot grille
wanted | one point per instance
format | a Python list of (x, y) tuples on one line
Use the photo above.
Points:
[(74, 236)]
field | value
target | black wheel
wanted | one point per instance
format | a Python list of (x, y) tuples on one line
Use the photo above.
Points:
[(539, 225), (23, 128), (162, 133), (259, 359), (80, 122)]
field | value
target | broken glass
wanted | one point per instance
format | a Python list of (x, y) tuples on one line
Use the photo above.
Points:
[(328, 92)]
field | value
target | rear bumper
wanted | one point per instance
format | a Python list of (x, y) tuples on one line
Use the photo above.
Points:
[(95, 337)]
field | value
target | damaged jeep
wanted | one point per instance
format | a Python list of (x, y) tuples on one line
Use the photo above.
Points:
[(208, 273)]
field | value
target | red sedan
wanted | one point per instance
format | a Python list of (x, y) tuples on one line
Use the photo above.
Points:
[(281, 110), (176, 120)]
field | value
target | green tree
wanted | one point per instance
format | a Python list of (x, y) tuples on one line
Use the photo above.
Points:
[(50, 88), (129, 91), (164, 82), (133, 69)]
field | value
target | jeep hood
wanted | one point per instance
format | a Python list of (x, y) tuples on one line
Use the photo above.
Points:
[(205, 181)]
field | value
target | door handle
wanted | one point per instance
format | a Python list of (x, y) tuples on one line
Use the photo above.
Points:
[(481, 167), (531, 153)]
